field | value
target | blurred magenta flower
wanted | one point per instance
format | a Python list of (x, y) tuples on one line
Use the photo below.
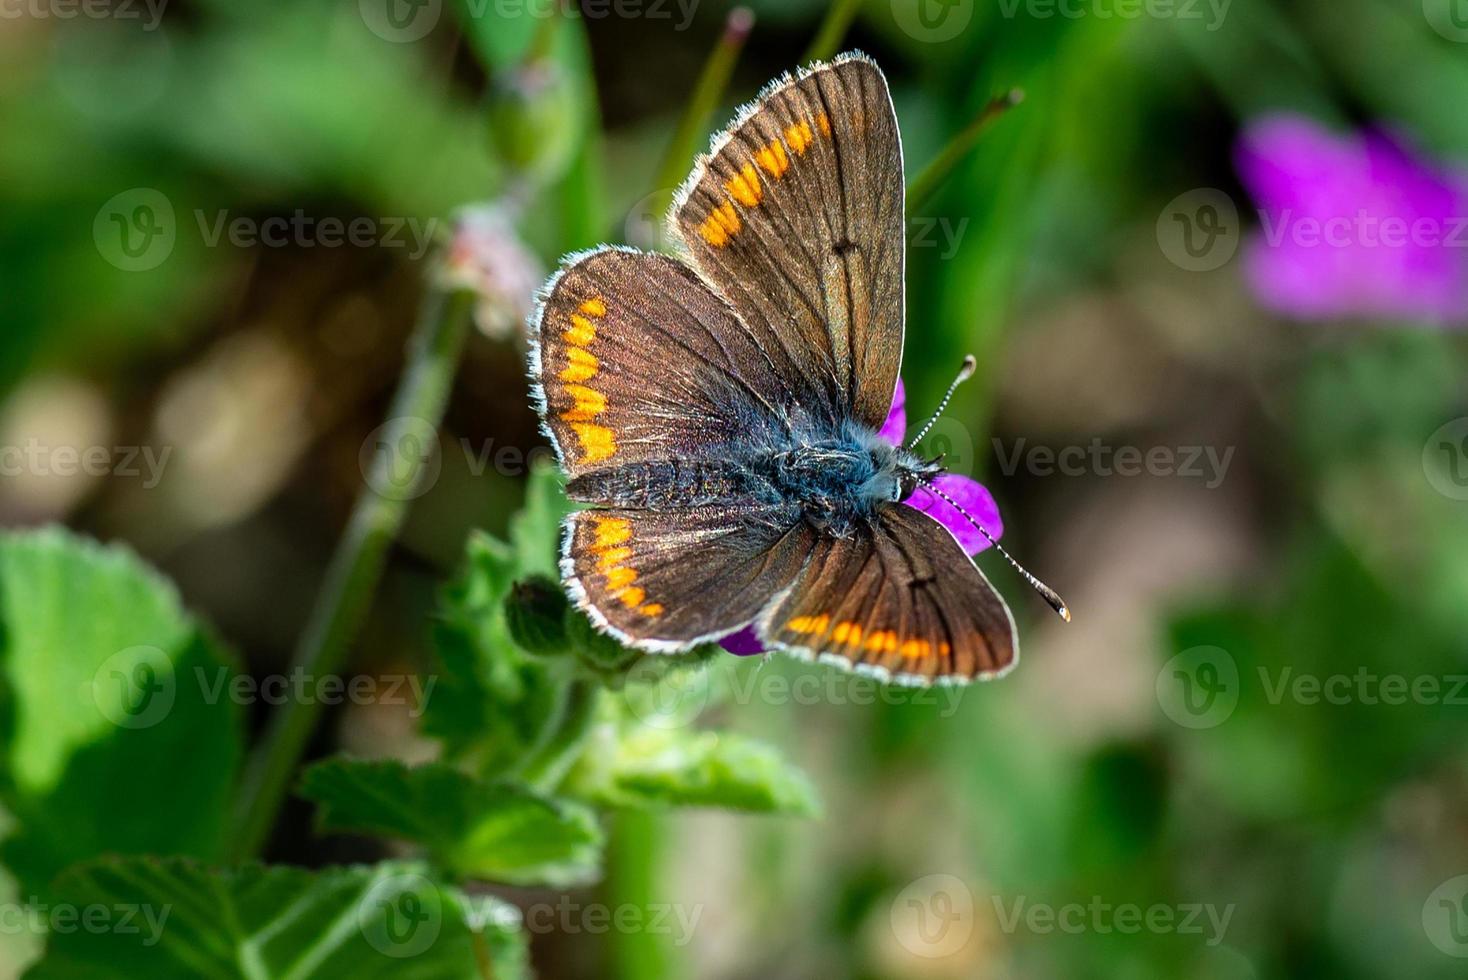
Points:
[(1353, 225), (487, 257), (969, 494)]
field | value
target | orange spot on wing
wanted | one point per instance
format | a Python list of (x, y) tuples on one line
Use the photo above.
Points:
[(621, 577), (916, 648), (744, 186), (581, 365), (582, 331), (597, 441), (824, 123), (799, 137), (652, 609), (595, 306), (773, 159), (589, 404), (721, 225), (611, 557), (809, 624), (610, 532), (631, 597)]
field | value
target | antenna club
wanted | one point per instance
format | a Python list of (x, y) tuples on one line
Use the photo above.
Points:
[(970, 365)]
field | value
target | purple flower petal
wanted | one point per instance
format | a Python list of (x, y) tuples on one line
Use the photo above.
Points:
[(972, 497), (745, 643), (1352, 225), (896, 425)]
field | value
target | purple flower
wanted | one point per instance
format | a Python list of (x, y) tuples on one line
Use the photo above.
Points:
[(969, 494), (1353, 225)]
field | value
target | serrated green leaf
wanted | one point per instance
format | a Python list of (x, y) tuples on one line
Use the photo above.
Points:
[(111, 702), (498, 831), (535, 532), (173, 918), (492, 700), (650, 767)]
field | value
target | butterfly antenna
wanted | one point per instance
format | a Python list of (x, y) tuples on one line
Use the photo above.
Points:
[(970, 365), (1047, 593)]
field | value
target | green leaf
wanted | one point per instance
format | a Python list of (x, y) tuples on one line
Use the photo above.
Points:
[(175, 919), (492, 700), (535, 532), (650, 767), (499, 831), (113, 701)]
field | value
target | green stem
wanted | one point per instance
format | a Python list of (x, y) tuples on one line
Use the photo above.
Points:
[(395, 479), (550, 762), (707, 95), (920, 192), (832, 30)]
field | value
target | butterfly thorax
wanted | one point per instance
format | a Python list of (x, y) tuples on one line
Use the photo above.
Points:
[(833, 481)]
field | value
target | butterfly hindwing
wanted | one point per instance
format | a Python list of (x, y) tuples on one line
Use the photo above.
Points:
[(663, 580), (797, 217), (636, 359), (899, 599)]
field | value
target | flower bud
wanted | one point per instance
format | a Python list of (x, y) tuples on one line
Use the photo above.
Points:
[(533, 120), (488, 258), (536, 611), (601, 653)]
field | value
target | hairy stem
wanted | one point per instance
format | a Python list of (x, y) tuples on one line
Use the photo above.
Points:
[(550, 762), (397, 471)]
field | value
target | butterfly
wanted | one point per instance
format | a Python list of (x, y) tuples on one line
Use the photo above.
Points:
[(720, 414)]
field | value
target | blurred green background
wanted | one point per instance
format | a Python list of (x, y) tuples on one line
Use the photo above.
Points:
[(1160, 752)]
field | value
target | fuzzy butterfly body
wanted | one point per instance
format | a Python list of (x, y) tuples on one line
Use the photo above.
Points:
[(721, 414)]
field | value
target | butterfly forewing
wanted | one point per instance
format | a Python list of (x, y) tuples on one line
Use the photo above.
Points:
[(900, 599), (636, 359), (797, 217)]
